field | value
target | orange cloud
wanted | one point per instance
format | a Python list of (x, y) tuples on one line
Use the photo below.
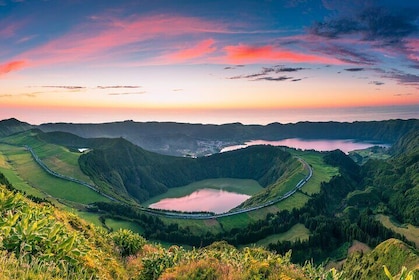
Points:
[(250, 54), (202, 48), (12, 66)]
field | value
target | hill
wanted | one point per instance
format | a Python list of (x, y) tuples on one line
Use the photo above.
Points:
[(201, 139), (397, 179), (393, 253), (42, 242), (11, 126), (133, 171)]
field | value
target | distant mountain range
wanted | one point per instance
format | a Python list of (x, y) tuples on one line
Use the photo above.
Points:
[(201, 139)]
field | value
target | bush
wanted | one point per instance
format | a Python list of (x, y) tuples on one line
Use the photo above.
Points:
[(129, 243)]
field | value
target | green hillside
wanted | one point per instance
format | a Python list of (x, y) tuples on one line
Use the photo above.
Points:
[(132, 171), (40, 242), (392, 253), (11, 126)]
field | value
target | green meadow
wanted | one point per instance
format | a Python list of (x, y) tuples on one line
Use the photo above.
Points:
[(409, 231), (27, 170), (297, 232), (57, 158)]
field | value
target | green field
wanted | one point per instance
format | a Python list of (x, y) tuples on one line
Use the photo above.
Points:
[(57, 158), (409, 231), (298, 231), (27, 170), (242, 186), (297, 201), (321, 171), (16, 180), (116, 224)]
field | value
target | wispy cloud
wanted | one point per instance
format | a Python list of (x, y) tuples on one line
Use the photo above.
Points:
[(347, 54), (104, 35), (404, 78), (201, 49), (127, 93), (373, 23), (12, 66), (268, 53), (263, 74), (274, 79), (118, 87), (65, 87), (356, 69), (377, 83), (233, 67)]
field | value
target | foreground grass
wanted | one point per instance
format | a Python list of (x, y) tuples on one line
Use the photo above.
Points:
[(66, 247)]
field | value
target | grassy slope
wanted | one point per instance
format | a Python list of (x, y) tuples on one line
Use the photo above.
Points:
[(299, 231), (29, 171), (57, 158), (100, 257), (409, 231), (393, 253)]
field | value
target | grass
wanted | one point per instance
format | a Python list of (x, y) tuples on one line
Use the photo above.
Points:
[(236, 221), (321, 171), (409, 231), (57, 158), (242, 186), (116, 224), (15, 179), (89, 217), (298, 231), (295, 201), (30, 172)]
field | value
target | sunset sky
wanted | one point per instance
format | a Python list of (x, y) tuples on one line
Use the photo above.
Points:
[(208, 61)]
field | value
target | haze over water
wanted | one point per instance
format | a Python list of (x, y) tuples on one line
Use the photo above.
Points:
[(245, 116)]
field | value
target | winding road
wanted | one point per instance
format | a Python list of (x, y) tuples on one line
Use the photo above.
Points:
[(179, 215)]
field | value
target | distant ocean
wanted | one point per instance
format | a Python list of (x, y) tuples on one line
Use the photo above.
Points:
[(35, 115), (338, 114)]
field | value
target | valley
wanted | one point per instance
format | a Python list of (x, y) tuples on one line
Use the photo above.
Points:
[(314, 203)]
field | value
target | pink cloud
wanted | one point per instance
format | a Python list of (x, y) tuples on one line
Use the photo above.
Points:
[(8, 31), (255, 54), (102, 39), (203, 48), (11, 66), (412, 48)]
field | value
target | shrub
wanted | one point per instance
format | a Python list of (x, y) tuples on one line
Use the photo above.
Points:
[(129, 243)]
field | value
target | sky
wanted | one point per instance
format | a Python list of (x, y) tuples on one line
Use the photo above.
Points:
[(208, 61)]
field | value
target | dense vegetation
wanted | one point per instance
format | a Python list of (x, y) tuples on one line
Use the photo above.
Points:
[(141, 174), (40, 242), (344, 210)]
